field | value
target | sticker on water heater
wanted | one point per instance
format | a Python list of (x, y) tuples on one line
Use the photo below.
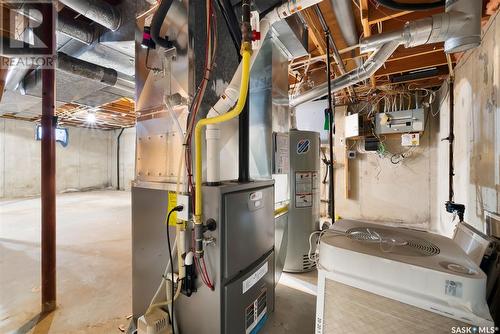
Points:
[(303, 146), (303, 189)]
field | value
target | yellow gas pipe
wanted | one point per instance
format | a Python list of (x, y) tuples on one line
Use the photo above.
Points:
[(246, 53)]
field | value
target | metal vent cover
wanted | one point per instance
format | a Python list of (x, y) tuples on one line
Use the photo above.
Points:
[(393, 242), (306, 263)]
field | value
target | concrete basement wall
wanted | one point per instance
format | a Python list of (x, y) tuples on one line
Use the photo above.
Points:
[(86, 163), (415, 192), (378, 189), (127, 158), (477, 133)]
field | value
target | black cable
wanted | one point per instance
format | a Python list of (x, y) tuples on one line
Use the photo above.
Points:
[(331, 133), (157, 22), (177, 208), (395, 5), (231, 23)]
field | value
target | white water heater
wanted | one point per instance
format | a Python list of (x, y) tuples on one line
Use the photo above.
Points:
[(303, 214)]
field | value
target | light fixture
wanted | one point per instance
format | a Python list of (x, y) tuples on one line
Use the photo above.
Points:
[(91, 117)]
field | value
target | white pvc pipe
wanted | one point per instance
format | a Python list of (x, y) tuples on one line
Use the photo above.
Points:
[(213, 165)]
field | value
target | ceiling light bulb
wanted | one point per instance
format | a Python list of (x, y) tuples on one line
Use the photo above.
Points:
[(91, 118)]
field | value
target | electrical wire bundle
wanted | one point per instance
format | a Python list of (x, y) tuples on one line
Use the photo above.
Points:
[(210, 51)]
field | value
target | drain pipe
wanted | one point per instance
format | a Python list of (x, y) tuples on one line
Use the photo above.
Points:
[(96, 10), (459, 27)]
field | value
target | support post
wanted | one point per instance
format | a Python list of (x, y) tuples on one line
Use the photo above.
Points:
[(48, 173)]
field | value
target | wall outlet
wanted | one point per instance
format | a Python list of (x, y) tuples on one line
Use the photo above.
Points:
[(185, 213)]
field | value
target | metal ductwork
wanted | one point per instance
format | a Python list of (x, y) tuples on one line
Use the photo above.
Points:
[(345, 18), (81, 32), (77, 67), (68, 26), (459, 27), (85, 69), (98, 11), (365, 71)]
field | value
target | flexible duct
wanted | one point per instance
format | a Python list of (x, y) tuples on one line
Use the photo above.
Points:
[(96, 10), (68, 26), (75, 66), (81, 32)]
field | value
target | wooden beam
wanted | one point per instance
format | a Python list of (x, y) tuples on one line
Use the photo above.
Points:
[(315, 34), (492, 6), (367, 31), (364, 13), (405, 53), (416, 63), (399, 23), (378, 15)]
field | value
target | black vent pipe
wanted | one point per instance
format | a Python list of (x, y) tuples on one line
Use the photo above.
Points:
[(244, 118)]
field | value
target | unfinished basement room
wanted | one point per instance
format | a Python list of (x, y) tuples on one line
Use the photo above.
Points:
[(249, 166)]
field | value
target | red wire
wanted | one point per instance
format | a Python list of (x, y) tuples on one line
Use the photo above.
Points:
[(206, 273), (197, 101)]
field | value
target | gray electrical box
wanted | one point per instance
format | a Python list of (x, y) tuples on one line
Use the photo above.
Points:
[(400, 121)]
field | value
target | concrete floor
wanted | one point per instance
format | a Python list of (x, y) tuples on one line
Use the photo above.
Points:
[(94, 269)]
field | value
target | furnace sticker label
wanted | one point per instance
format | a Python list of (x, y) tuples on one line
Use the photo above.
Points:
[(252, 280)]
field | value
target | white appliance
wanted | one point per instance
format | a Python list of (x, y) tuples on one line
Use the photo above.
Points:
[(381, 279)]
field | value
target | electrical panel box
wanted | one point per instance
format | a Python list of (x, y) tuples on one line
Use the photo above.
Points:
[(351, 128), (403, 121), (356, 125)]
